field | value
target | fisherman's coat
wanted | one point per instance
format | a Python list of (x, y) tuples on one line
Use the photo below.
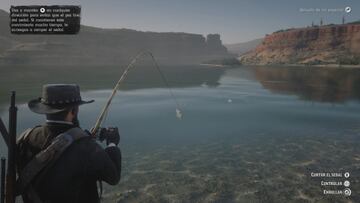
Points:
[(73, 177)]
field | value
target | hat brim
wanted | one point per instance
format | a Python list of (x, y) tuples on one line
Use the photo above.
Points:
[(36, 106)]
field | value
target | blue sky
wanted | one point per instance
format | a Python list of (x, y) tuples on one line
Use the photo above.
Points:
[(235, 20)]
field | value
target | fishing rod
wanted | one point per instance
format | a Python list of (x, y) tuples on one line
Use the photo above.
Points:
[(122, 78)]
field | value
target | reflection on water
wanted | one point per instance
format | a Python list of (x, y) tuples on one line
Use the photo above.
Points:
[(260, 147), (315, 84), (27, 80)]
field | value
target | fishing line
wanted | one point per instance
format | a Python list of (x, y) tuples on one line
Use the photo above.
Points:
[(123, 76)]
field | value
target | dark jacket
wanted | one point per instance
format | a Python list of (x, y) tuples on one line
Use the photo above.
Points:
[(73, 177)]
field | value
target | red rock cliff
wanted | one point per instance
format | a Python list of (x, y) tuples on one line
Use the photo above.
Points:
[(326, 44)]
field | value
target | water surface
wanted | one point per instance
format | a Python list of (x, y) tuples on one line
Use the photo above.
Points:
[(247, 133)]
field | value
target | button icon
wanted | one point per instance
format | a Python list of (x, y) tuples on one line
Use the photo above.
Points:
[(347, 192), (348, 9), (42, 10), (346, 183), (347, 174)]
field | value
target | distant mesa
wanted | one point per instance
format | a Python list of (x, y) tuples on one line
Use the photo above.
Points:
[(329, 44), (98, 46), (214, 43)]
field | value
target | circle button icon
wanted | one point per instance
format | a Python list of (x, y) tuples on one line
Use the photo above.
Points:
[(346, 183), (347, 174), (347, 192), (348, 9), (42, 10)]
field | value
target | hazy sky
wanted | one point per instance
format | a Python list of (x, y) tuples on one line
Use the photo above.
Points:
[(235, 20)]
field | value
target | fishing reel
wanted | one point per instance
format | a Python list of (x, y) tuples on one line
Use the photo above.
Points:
[(110, 134)]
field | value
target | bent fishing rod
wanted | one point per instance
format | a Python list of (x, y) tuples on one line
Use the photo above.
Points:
[(132, 64)]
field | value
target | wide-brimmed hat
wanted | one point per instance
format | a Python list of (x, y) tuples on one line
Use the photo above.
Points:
[(56, 98)]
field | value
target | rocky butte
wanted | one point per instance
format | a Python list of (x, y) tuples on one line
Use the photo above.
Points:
[(97, 46), (329, 44)]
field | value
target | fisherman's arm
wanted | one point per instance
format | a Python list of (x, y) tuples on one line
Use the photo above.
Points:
[(105, 164)]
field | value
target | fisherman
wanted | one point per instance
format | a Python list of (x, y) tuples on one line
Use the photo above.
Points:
[(59, 162)]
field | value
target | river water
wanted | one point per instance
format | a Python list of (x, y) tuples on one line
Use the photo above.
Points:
[(247, 133)]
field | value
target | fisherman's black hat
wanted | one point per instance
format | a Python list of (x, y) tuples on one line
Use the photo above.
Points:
[(56, 98)]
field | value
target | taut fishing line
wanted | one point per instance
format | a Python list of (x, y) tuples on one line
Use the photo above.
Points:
[(122, 78)]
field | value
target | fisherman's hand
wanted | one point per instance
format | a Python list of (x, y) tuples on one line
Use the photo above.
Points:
[(112, 135)]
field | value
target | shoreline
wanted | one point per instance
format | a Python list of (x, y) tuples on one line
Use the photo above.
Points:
[(326, 65), (286, 65), (216, 65), (310, 66)]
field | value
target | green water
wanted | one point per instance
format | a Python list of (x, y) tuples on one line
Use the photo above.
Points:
[(248, 134)]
